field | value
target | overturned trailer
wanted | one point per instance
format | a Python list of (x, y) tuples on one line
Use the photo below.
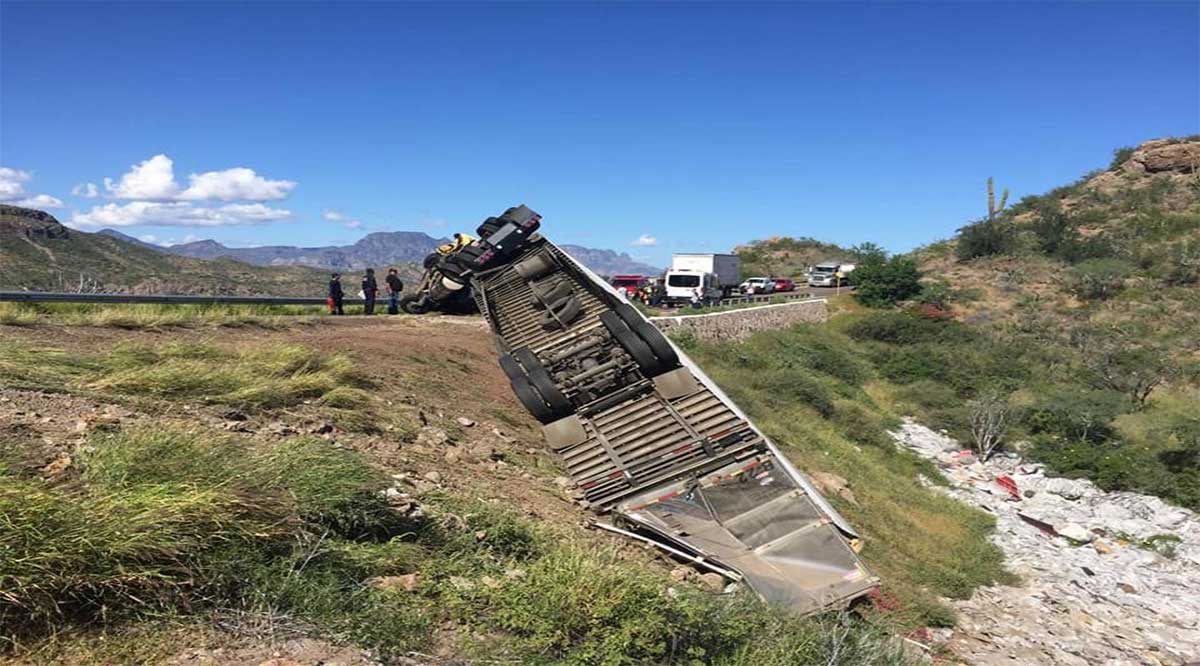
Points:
[(657, 449)]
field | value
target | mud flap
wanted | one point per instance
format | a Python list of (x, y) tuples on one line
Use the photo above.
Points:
[(752, 517)]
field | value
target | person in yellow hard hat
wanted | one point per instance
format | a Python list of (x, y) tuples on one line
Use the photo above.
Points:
[(460, 241)]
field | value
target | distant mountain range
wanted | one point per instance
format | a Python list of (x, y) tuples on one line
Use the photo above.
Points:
[(37, 253), (374, 250)]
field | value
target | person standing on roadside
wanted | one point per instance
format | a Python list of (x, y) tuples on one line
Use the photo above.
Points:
[(369, 289), (394, 287), (336, 295)]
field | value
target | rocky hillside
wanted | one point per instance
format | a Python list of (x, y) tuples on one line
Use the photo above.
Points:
[(1083, 306), (783, 256), (403, 249), (609, 262), (38, 253), (1124, 241)]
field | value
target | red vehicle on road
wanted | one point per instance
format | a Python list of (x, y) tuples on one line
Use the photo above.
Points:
[(629, 284), (784, 284)]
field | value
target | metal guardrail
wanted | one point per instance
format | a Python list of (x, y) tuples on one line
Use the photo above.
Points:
[(171, 299), (766, 298)]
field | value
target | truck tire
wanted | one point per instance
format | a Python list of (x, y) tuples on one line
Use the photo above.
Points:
[(541, 380), (561, 313), (412, 305), (510, 367), (631, 343), (534, 267), (489, 227), (431, 260), (555, 292), (530, 399), (629, 315), (654, 339)]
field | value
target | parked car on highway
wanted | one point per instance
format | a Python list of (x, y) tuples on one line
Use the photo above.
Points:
[(784, 284), (758, 285)]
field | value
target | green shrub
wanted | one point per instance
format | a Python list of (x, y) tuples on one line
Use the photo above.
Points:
[(986, 238), (810, 347), (881, 282), (1098, 279), (1182, 264), (937, 293), (1120, 156), (903, 328), (1057, 235), (785, 387), (861, 426), (1075, 413)]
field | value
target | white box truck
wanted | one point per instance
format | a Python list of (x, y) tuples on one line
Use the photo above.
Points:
[(716, 275)]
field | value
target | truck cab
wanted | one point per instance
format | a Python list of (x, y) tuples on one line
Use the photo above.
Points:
[(629, 285), (829, 274)]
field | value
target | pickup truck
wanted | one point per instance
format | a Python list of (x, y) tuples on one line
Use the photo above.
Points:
[(658, 451), (758, 285)]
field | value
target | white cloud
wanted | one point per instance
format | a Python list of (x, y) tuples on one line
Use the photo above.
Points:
[(190, 238), (177, 214), (645, 240), (12, 183), (148, 238), (12, 191), (38, 201), (234, 184), (346, 220), (153, 180), (86, 190)]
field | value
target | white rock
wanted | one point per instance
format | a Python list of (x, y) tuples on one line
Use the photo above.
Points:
[(1073, 605), (1075, 532), (1065, 488)]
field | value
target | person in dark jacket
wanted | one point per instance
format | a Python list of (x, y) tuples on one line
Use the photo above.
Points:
[(336, 295), (394, 287), (369, 289)]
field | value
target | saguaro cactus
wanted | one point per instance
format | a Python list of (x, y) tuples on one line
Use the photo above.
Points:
[(993, 209)]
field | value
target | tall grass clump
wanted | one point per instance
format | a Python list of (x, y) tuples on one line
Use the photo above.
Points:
[(152, 315), (257, 377), (172, 521)]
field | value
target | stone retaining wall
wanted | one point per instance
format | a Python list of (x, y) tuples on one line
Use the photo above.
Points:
[(737, 324)]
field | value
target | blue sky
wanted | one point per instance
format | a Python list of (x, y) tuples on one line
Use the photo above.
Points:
[(698, 125)]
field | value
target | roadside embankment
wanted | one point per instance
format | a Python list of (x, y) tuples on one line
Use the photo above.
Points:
[(738, 324)]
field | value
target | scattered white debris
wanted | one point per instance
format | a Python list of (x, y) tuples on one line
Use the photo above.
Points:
[(1107, 578)]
